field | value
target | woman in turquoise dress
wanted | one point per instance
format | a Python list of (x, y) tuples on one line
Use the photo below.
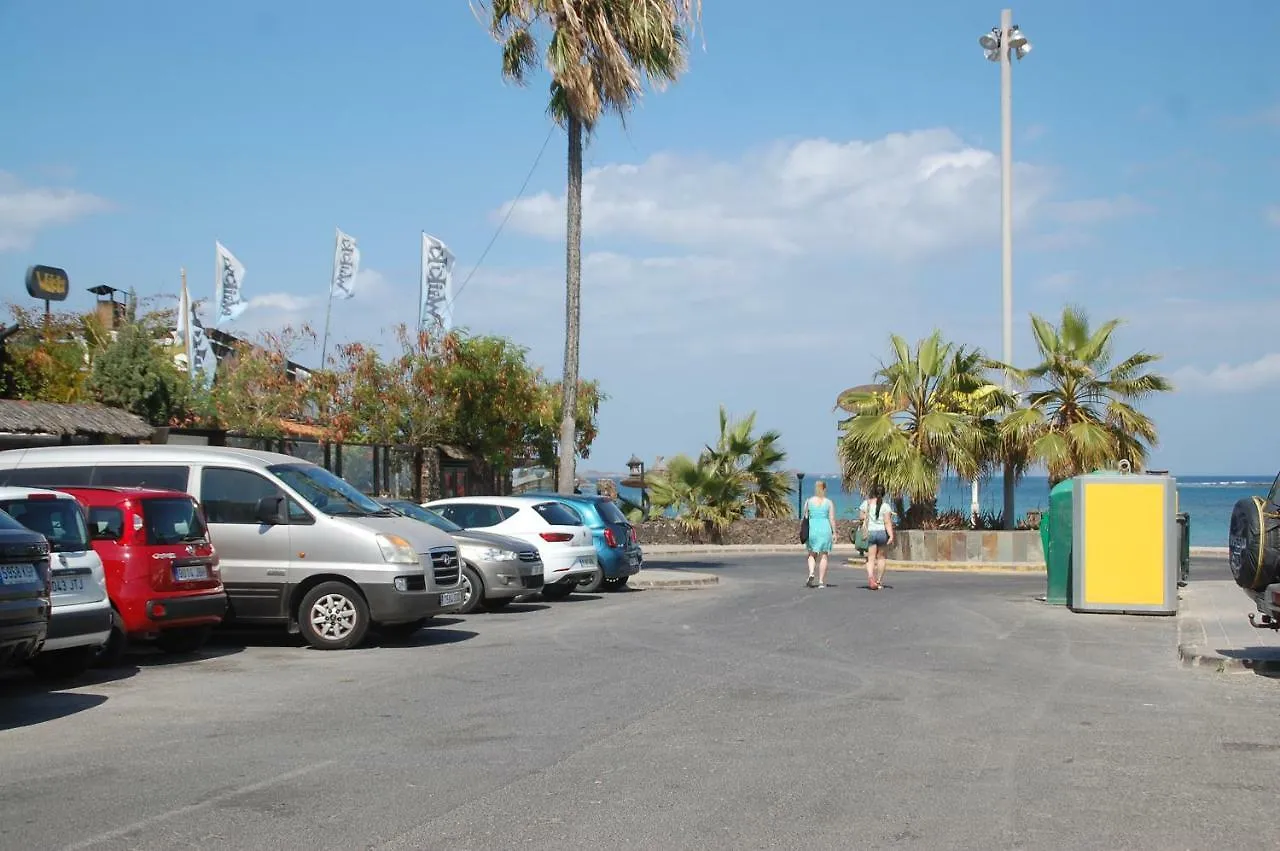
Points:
[(821, 513)]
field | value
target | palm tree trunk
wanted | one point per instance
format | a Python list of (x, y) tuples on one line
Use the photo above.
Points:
[(572, 309)]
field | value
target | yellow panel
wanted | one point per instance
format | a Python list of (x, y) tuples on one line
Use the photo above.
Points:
[(1124, 541)]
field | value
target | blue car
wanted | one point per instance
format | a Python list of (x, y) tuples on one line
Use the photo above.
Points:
[(617, 549)]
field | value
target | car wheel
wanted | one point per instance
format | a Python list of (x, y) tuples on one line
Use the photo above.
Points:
[(617, 584), (472, 590), (556, 591), (111, 654), (187, 639), (593, 583), (498, 604), (402, 631), (63, 664), (333, 616)]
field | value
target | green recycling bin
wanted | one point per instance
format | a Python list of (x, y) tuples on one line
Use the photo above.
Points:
[(1055, 535)]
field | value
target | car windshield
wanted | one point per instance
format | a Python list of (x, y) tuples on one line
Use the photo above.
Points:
[(327, 492), (610, 512), (59, 520), (426, 515)]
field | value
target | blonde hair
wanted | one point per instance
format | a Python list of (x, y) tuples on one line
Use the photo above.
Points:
[(820, 488)]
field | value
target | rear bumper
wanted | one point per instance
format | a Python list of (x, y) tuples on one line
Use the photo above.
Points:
[(618, 563), (193, 610), (85, 625), (21, 640)]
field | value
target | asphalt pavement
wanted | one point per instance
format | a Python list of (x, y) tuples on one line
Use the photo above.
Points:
[(949, 711)]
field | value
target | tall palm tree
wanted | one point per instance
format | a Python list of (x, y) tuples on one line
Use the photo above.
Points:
[(1082, 412), (925, 417), (600, 53)]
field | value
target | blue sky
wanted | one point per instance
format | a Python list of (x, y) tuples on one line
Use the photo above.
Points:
[(816, 182)]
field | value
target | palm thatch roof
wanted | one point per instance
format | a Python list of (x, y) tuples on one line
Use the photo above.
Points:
[(19, 417)]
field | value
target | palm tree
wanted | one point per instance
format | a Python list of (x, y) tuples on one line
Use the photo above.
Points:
[(599, 54), (1082, 414), (928, 414), (706, 496), (756, 461)]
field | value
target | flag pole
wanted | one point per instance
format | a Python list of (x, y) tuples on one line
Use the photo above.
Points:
[(186, 325), (328, 312)]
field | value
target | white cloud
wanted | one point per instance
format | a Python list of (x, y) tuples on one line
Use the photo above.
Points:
[(1231, 378), (27, 210), (900, 196)]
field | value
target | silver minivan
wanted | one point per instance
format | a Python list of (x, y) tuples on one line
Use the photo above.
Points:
[(298, 545)]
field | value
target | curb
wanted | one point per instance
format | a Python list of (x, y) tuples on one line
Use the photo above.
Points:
[(673, 581), (960, 566), (1191, 654)]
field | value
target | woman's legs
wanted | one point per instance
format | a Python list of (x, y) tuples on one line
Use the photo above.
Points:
[(822, 568), (811, 566), (873, 553)]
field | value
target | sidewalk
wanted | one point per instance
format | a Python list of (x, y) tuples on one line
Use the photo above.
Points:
[(1214, 631), (841, 553)]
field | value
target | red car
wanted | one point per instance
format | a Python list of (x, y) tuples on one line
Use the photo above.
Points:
[(162, 570)]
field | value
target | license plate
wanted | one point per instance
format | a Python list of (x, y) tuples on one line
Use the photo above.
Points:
[(589, 561), (448, 598), (18, 574), (191, 573), (635, 561), (68, 584)]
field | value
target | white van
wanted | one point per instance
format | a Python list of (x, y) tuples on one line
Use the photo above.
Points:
[(298, 546), (80, 620)]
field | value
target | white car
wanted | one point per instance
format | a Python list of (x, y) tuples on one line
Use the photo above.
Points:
[(564, 541), (80, 622)]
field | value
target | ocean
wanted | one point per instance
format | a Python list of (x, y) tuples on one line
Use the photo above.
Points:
[(1207, 499)]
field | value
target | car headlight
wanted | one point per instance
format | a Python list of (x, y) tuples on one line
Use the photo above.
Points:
[(495, 554), (396, 550)]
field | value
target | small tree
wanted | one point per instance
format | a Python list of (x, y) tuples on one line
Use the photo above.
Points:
[(134, 372)]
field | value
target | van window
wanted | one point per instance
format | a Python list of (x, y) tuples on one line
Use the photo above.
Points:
[(172, 521), (38, 477), (107, 523), (231, 496), (59, 520), (139, 476)]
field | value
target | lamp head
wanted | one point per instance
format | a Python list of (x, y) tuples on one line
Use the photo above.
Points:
[(991, 40)]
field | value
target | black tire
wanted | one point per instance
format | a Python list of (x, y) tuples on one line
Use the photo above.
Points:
[(111, 654), (593, 584), (498, 604), (557, 591), (1254, 543), (617, 584), (63, 664), (472, 590), (333, 616), (402, 631), (186, 639)]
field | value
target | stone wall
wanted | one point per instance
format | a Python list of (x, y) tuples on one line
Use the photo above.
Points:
[(763, 531), (912, 545)]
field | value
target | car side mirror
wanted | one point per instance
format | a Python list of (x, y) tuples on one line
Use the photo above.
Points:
[(271, 511)]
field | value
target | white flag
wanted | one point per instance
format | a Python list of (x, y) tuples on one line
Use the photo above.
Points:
[(200, 359), (436, 311), (227, 300), (346, 265)]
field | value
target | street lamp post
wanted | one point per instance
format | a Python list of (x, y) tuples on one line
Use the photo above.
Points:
[(1001, 45), (799, 494)]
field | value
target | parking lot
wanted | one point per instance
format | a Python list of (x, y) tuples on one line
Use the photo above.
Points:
[(950, 711)]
